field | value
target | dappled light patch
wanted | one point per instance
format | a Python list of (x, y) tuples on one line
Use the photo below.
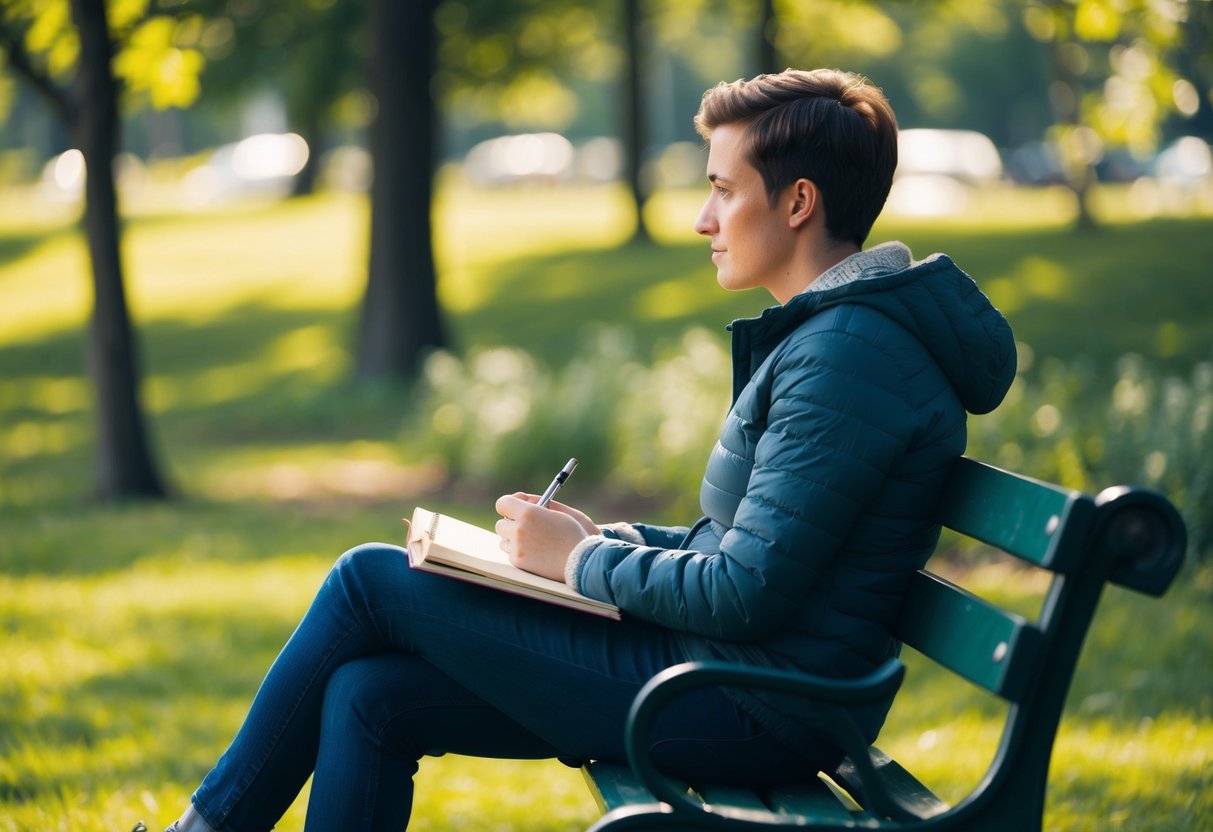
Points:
[(674, 298), (324, 485), (135, 635)]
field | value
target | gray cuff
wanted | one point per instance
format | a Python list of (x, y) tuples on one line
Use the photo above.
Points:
[(572, 566), (625, 532)]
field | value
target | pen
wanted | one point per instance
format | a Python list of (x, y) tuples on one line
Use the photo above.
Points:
[(558, 481)]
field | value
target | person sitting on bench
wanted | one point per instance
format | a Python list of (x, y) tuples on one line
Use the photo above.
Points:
[(849, 406)]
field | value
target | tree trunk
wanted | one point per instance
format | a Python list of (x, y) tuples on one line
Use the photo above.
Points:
[(313, 133), (400, 315), (634, 116), (1066, 101), (125, 467), (768, 55)]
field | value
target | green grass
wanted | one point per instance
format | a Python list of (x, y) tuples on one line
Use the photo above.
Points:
[(135, 635)]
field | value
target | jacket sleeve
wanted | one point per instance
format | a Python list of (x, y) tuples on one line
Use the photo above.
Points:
[(663, 537), (836, 424)]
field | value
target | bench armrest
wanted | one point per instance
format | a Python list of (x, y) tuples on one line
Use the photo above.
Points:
[(1143, 535), (835, 696)]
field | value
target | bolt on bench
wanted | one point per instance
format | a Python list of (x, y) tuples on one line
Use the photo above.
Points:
[(1132, 537)]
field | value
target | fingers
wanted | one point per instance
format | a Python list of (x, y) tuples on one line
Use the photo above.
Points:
[(519, 509), (516, 504), (581, 517)]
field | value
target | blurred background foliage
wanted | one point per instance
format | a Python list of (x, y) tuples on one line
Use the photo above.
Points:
[(1134, 72), (1057, 149)]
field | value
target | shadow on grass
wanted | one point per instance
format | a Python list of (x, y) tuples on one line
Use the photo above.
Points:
[(1066, 293), (255, 372), (180, 703), (101, 540), (171, 346), (15, 246), (652, 292)]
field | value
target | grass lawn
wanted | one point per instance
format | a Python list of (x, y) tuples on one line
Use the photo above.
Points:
[(134, 636)]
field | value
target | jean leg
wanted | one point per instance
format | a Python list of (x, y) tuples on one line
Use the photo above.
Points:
[(381, 715), (570, 678), (564, 676), (371, 602), (273, 754)]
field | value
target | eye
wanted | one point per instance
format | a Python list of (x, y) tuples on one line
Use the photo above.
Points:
[(721, 191)]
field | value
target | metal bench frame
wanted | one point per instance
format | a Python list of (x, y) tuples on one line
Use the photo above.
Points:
[(1128, 536)]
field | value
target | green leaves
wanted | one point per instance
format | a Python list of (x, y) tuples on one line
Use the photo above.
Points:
[(155, 66), (157, 56)]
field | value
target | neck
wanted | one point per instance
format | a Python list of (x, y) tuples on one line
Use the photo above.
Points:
[(816, 261)]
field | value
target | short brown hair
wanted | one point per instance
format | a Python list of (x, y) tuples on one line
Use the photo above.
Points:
[(833, 128)]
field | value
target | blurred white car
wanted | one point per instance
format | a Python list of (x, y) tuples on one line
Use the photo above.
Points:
[(544, 157), (261, 165), (937, 169)]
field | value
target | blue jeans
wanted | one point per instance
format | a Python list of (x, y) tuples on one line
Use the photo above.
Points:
[(390, 664)]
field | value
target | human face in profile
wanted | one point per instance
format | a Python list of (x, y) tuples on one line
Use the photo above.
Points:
[(753, 243)]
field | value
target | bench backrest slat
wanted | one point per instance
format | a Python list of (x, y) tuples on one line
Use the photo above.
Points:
[(1036, 521), (969, 636)]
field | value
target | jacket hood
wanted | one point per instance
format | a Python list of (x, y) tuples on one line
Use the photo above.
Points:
[(935, 301)]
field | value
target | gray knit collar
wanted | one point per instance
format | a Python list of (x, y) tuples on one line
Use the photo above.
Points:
[(878, 261)]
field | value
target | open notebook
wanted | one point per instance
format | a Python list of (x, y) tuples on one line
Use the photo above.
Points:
[(443, 545)]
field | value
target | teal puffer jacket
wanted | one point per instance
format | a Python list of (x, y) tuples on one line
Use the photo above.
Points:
[(848, 409)]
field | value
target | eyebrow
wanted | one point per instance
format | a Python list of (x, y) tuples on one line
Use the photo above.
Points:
[(716, 177)]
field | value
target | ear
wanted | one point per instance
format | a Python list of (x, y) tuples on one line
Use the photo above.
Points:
[(803, 199)]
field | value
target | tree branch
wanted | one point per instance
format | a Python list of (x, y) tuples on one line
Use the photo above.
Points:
[(19, 61)]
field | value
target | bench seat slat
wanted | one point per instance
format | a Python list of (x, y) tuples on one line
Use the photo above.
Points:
[(898, 782), (731, 796), (975, 639), (815, 800), (614, 785)]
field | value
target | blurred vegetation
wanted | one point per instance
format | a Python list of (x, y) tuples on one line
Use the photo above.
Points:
[(135, 636), (1131, 73)]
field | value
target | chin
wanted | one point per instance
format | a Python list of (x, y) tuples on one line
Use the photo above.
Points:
[(731, 284)]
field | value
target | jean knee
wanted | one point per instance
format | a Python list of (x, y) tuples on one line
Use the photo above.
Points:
[(363, 695), (369, 562), (345, 686)]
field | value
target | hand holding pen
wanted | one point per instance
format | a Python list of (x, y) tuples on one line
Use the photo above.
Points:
[(540, 541), (558, 481)]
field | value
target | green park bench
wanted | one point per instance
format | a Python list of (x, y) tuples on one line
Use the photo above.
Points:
[(1129, 536)]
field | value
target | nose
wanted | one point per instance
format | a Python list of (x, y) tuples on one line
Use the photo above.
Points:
[(705, 223)]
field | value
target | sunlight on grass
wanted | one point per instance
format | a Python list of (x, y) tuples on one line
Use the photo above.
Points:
[(312, 352), (30, 437), (45, 289), (317, 473), (672, 298), (1044, 278), (214, 385), (120, 689), (215, 262), (136, 635), (49, 394), (543, 796), (144, 673), (109, 678), (193, 269), (477, 228)]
